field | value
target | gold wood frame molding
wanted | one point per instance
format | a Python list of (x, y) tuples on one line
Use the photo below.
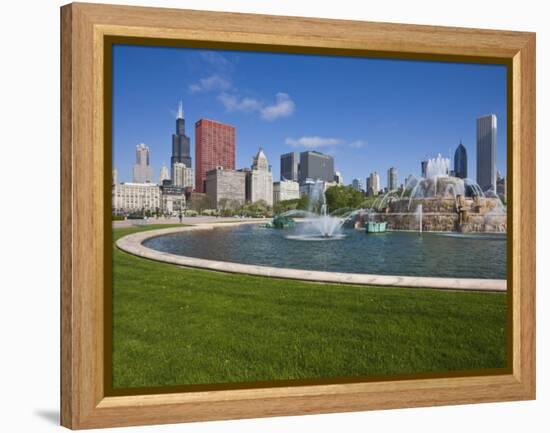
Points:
[(85, 172)]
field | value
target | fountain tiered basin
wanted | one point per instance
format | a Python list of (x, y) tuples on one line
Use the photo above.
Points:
[(438, 203)]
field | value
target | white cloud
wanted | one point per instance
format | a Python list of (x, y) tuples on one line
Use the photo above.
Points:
[(235, 103), (283, 107), (358, 144), (313, 141), (208, 84), (215, 59)]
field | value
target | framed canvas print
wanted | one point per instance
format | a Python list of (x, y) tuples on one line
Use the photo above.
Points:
[(270, 216)]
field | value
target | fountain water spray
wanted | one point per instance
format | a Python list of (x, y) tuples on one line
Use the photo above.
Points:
[(319, 225), (438, 167), (419, 216)]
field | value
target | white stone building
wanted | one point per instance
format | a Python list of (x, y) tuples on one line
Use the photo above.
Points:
[(132, 197), (172, 200), (285, 190), (224, 184), (183, 176), (172, 205), (260, 180)]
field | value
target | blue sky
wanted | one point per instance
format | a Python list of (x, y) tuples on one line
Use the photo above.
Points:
[(370, 114)]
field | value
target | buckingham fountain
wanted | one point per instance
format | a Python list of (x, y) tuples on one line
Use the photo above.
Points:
[(438, 202)]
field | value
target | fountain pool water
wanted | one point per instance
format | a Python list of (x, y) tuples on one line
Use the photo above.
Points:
[(392, 253)]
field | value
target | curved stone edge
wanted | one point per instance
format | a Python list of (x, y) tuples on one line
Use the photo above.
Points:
[(133, 244)]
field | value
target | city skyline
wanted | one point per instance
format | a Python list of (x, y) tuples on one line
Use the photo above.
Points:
[(374, 139), (393, 180)]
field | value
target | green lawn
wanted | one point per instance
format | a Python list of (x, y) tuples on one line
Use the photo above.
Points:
[(175, 326)]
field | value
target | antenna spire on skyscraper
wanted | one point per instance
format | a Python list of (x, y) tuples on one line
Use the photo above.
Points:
[(180, 143)]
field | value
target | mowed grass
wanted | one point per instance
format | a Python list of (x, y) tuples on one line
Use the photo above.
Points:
[(176, 326)]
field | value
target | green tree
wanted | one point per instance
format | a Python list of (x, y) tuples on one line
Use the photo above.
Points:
[(256, 209), (199, 202), (285, 205), (343, 197), (303, 203)]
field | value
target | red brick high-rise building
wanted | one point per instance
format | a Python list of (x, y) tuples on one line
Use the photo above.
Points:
[(214, 146)]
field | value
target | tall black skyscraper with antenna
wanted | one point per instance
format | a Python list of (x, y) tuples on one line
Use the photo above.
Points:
[(181, 151)]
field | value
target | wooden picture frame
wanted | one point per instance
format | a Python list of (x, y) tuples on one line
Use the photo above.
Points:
[(85, 174)]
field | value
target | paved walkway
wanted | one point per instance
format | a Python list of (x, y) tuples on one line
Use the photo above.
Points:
[(185, 220), (133, 245)]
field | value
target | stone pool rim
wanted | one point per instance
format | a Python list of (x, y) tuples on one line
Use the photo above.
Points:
[(133, 244)]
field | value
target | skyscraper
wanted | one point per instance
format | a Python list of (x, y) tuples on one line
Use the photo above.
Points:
[(461, 162), (181, 151), (260, 180), (317, 166), (356, 184), (392, 179), (373, 182), (289, 166), (486, 152), (214, 147), (183, 176), (142, 172), (501, 187), (163, 174)]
